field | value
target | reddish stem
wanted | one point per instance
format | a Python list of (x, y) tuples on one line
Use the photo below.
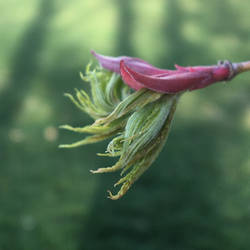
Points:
[(241, 67)]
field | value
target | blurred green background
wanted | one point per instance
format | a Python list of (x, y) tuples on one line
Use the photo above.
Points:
[(195, 196)]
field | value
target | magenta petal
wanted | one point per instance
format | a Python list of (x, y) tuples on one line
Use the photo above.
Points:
[(181, 68), (137, 64), (128, 78), (109, 62), (181, 81)]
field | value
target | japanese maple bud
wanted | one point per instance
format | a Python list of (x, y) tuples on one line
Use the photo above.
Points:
[(139, 74)]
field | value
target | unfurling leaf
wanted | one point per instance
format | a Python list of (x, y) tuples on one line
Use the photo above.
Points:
[(139, 123)]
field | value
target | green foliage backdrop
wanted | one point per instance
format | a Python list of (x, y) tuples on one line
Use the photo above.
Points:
[(197, 193)]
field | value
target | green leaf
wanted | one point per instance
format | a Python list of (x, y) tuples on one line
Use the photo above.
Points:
[(139, 121)]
